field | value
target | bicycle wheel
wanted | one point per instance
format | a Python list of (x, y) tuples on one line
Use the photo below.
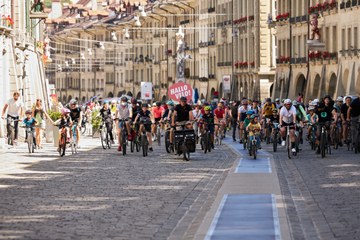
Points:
[(132, 145), (123, 137), (11, 136), (206, 142), (144, 145), (167, 142), (83, 129), (186, 152), (288, 146), (108, 141), (62, 145), (210, 143), (322, 144), (201, 141), (275, 142), (138, 144), (158, 135), (103, 133), (254, 150)]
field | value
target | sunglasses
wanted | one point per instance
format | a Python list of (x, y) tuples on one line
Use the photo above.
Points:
[(39, 100)]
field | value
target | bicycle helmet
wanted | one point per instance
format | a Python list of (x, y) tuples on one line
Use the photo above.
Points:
[(275, 110), (277, 100), (105, 102), (340, 99), (134, 101), (207, 108), (254, 116), (158, 104), (295, 103), (113, 101), (287, 101), (28, 111), (170, 102), (65, 110), (124, 99), (145, 105), (268, 100), (73, 101), (311, 108), (250, 112), (183, 99)]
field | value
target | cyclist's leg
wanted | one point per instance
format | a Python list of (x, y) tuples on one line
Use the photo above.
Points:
[(77, 135), (241, 130), (171, 135), (38, 136), (148, 133), (16, 126), (233, 125), (212, 130), (109, 130)]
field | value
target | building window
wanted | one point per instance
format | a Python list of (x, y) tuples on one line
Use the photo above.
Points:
[(356, 38)]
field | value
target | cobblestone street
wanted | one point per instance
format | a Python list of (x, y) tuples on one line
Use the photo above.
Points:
[(100, 194)]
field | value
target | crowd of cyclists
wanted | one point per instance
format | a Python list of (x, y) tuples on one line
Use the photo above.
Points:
[(246, 119)]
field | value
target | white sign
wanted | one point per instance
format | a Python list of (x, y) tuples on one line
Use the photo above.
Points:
[(226, 82), (146, 91)]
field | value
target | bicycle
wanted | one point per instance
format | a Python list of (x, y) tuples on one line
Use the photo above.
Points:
[(62, 142), (158, 133), (268, 131), (11, 130), (253, 145), (312, 139), (123, 134), (245, 139), (288, 141), (144, 140), (219, 137), (30, 138), (335, 135), (275, 135), (168, 146), (73, 141), (105, 136), (205, 141), (83, 125), (136, 142), (324, 140), (184, 141)]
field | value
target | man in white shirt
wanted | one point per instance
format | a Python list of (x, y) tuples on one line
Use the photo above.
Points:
[(243, 108), (288, 118), (15, 109)]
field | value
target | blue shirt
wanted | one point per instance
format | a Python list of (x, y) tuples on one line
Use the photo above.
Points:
[(29, 122)]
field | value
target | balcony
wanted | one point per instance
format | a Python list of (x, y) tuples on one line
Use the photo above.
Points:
[(184, 22)]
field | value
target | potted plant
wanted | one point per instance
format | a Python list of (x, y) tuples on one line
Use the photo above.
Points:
[(95, 122), (55, 115)]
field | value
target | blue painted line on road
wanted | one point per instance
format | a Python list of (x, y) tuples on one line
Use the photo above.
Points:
[(259, 165), (247, 164), (246, 216)]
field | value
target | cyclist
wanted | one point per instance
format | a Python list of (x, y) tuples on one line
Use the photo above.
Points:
[(256, 108), (106, 116), (278, 103), (123, 112), (220, 120), (267, 113), (254, 129), (242, 115), (30, 122), (337, 106), (288, 118), (157, 112), (64, 121), (15, 109), (353, 115), (326, 113), (208, 119), (182, 115), (169, 111), (76, 117), (344, 109), (145, 118)]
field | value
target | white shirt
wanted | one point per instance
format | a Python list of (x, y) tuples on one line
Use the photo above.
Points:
[(14, 107), (124, 112), (243, 109), (287, 115), (196, 114)]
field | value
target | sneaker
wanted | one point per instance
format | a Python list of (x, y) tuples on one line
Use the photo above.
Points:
[(241, 141), (150, 149), (283, 143), (293, 150), (119, 148)]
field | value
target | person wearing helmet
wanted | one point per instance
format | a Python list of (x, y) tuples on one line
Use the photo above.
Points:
[(242, 115), (64, 122), (326, 114), (29, 122), (168, 111), (288, 118), (145, 119), (123, 112), (135, 108), (253, 129), (106, 117), (157, 111), (220, 119), (76, 117), (246, 123), (208, 120), (182, 115), (313, 119), (278, 103)]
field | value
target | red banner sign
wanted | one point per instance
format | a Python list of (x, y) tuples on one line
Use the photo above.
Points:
[(180, 89)]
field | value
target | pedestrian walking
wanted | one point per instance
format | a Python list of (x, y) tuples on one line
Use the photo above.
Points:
[(234, 117), (40, 115), (15, 110)]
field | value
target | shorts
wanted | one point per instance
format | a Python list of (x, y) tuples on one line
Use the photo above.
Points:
[(147, 127), (120, 125), (157, 120), (292, 125)]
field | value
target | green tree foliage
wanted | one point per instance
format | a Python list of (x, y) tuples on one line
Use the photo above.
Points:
[(48, 2)]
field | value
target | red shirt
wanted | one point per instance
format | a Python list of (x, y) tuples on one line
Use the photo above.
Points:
[(219, 113)]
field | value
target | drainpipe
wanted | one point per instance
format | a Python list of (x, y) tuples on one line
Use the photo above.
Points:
[(290, 65)]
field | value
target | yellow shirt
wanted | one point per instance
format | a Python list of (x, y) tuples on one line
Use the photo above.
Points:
[(267, 109), (252, 127)]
